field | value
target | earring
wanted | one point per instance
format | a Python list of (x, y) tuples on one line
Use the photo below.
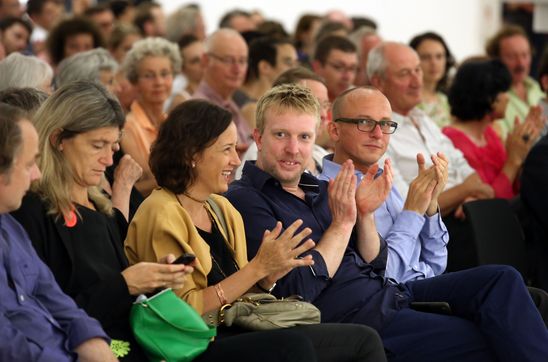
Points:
[(193, 164)]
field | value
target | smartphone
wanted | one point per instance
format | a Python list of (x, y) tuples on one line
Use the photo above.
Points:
[(185, 259)]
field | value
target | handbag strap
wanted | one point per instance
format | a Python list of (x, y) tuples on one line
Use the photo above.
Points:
[(217, 210)]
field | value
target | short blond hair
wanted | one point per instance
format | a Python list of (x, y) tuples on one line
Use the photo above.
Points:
[(287, 97)]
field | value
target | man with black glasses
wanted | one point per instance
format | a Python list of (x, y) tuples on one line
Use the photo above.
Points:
[(414, 231)]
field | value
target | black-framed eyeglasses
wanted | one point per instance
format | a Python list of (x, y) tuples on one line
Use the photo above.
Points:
[(368, 124)]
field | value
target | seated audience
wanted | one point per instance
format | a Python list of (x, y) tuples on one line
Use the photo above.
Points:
[(436, 63), (395, 70), (39, 321), (150, 19), (511, 45), (20, 71), (10, 8), (350, 258), (186, 20), (413, 230), (192, 158), (71, 36), (150, 66), (478, 96), (123, 10), (74, 227)]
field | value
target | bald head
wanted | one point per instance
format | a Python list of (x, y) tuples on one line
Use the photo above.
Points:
[(225, 61), (364, 147)]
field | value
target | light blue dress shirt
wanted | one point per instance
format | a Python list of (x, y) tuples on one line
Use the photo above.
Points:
[(417, 244)]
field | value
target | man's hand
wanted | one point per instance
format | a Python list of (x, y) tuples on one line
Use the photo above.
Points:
[(342, 193), (440, 164), (420, 194), (95, 350), (372, 192)]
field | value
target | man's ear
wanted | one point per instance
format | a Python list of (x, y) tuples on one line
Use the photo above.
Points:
[(376, 82), (333, 131), (257, 137), (316, 65)]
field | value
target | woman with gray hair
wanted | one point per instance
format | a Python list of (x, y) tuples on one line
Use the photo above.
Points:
[(75, 228), (21, 71), (95, 65), (150, 66)]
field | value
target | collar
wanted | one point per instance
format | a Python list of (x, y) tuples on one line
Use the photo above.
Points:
[(259, 178), (214, 96), (141, 118), (332, 168)]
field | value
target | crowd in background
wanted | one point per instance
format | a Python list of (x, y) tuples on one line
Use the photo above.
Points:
[(105, 84)]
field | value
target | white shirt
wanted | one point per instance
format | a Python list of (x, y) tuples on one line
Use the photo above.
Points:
[(408, 140)]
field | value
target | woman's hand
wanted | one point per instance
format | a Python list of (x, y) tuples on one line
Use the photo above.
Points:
[(146, 277), (279, 251)]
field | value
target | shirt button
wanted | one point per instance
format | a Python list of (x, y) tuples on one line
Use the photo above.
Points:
[(22, 298)]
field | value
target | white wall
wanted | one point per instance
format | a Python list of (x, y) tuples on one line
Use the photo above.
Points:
[(465, 24)]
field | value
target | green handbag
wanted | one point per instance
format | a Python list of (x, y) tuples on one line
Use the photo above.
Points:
[(168, 328)]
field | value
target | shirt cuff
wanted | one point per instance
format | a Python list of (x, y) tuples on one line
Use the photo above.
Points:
[(319, 269), (83, 329)]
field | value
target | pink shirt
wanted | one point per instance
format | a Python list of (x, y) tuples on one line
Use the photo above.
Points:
[(487, 160)]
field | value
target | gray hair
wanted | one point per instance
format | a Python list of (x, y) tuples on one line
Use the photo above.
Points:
[(182, 21), (150, 47), (376, 60), (20, 71), (85, 66)]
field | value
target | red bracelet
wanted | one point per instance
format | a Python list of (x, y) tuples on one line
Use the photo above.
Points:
[(220, 294)]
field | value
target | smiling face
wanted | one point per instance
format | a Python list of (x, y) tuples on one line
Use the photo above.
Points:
[(155, 78), (285, 146), (90, 153), (364, 148), (216, 163)]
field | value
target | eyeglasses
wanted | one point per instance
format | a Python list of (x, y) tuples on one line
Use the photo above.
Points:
[(368, 124), (341, 68), (230, 60), (150, 76)]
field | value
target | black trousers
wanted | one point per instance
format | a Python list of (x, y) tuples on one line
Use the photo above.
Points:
[(320, 342)]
